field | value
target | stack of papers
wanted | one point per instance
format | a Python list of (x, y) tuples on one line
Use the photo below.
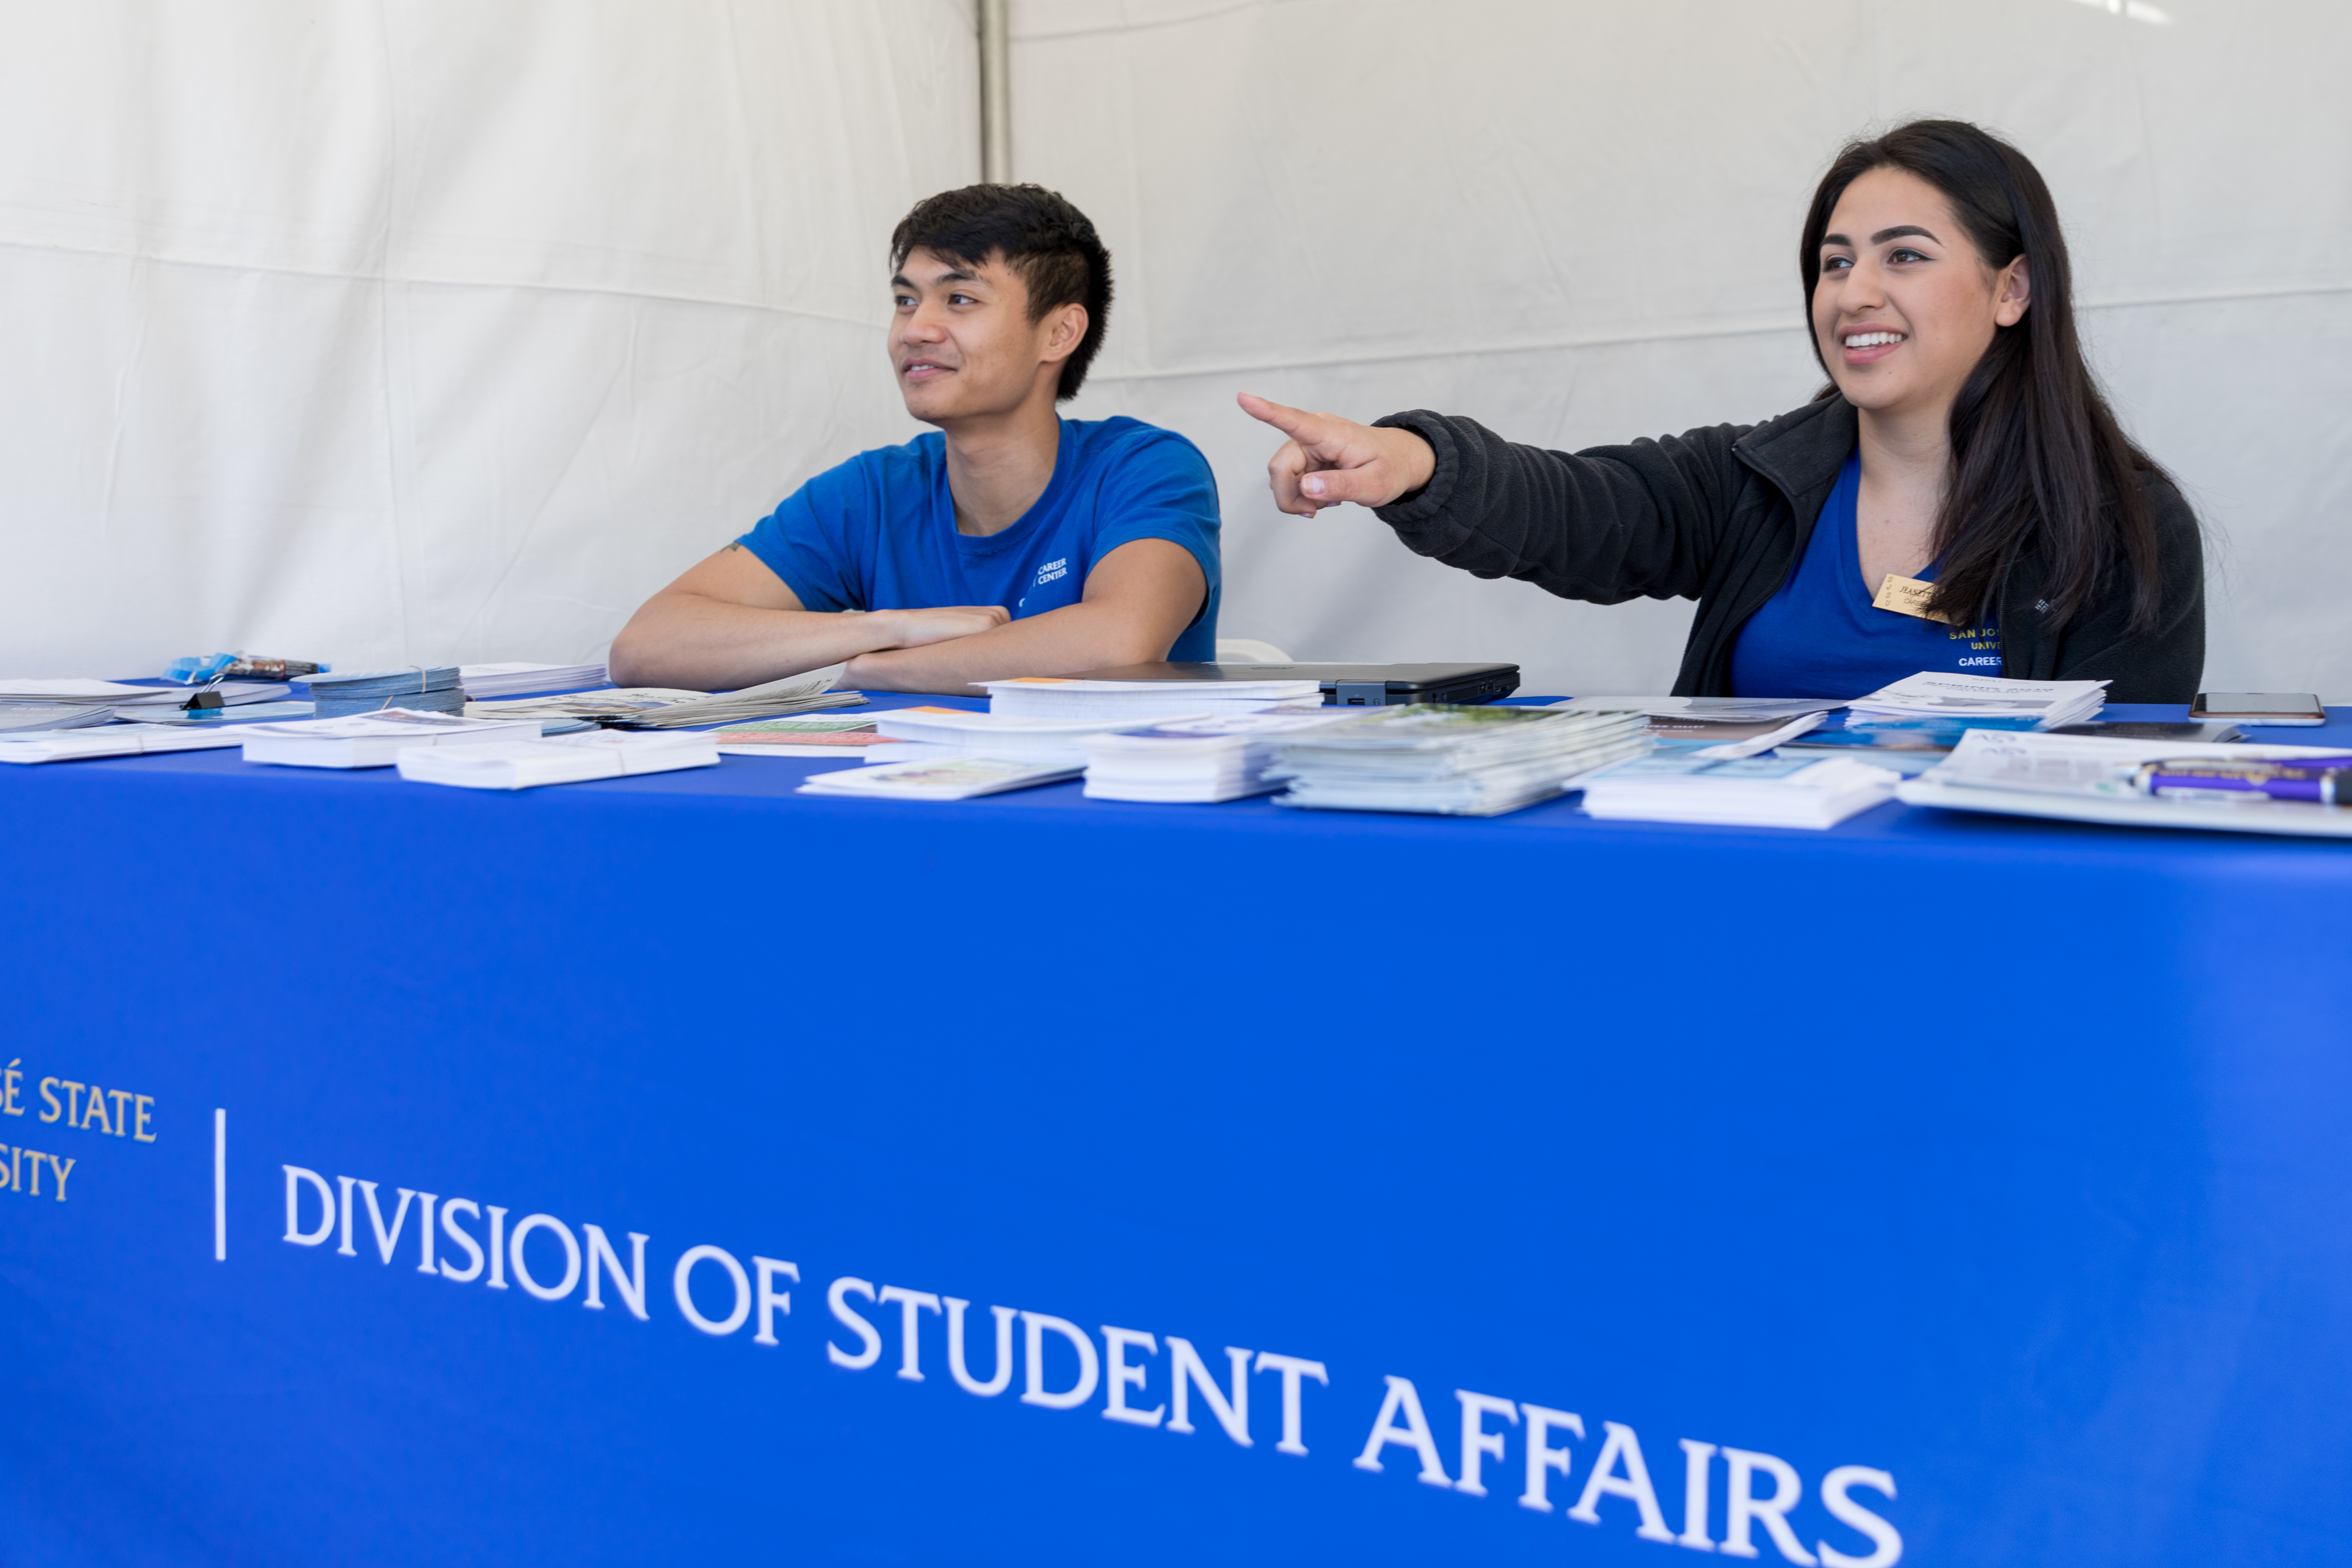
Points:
[(1465, 762), (109, 740), (843, 740), (935, 734), (45, 716), (485, 681), (664, 708), (958, 778), (1048, 697), (2091, 778), (85, 693), (418, 688), (564, 759), (1753, 792), (364, 739), (1197, 761), (1986, 702)]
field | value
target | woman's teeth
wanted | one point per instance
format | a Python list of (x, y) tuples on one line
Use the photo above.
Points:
[(1873, 339)]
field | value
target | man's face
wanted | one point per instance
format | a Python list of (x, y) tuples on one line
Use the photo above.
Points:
[(962, 342)]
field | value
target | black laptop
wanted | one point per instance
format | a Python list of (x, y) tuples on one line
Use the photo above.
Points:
[(1346, 685)]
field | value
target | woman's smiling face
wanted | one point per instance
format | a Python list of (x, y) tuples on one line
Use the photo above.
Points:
[(1904, 305)]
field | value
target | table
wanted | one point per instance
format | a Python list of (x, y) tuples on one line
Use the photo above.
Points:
[(1992, 1179)]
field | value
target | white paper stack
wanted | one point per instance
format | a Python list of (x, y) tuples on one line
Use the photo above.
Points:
[(958, 778), (46, 716), (368, 740), (2012, 704), (112, 693), (935, 734), (109, 740), (1754, 791), (1046, 697), (484, 682), (1459, 762), (1199, 760), (559, 759)]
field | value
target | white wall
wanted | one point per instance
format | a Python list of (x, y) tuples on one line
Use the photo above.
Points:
[(442, 331), (1577, 220), (436, 330)]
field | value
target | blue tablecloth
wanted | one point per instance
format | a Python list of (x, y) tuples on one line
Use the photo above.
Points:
[(1990, 1179)]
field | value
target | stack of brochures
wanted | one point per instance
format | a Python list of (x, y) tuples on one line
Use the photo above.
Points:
[(1726, 726), (1751, 792), (2290, 790), (1983, 701), (1042, 697), (484, 682), (664, 707), (366, 740), (108, 741), (561, 759), (958, 778), (1199, 760), (842, 740), (935, 734), (45, 716), (70, 704), (1460, 761), (430, 689)]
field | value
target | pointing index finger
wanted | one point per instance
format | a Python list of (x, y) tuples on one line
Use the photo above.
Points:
[(1295, 423)]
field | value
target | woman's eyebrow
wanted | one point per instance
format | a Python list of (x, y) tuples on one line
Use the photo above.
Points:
[(1899, 230)]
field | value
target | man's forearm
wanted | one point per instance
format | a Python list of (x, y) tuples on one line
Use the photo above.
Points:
[(702, 644), (1060, 642)]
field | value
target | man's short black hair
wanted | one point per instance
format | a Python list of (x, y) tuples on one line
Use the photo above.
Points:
[(1048, 243)]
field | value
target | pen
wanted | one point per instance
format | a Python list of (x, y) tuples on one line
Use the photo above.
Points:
[(2320, 781)]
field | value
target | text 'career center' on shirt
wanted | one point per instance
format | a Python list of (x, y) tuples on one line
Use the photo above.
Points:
[(1821, 636), (879, 532)]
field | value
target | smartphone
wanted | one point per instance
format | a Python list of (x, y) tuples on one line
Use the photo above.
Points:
[(2259, 708)]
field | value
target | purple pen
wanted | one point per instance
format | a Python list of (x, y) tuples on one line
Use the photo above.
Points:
[(2319, 781)]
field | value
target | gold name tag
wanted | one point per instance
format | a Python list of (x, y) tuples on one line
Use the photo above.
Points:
[(1907, 597)]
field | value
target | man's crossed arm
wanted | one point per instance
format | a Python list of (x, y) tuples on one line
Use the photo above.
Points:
[(731, 622)]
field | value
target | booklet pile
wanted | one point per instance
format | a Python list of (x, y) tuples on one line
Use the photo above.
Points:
[(560, 759), (486, 682), (1197, 762), (956, 778), (664, 708), (108, 741), (1046, 696), (1743, 792), (2142, 782), (1982, 702), (432, 688), (936, 735), (364, 739), (1458, 762), (842, 740)]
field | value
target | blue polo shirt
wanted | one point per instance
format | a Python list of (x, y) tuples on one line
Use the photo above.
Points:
[(1820, 637), (879, 532)]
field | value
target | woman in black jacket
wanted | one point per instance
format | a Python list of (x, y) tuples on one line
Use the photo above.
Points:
[(1960, 497)]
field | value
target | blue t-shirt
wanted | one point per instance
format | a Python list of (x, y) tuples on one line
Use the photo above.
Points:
[(1820, 637), (879, 532)]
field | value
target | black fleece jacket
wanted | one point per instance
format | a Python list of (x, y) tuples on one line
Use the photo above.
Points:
[(1721, 515)]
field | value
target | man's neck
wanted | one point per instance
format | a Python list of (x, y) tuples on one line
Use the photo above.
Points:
[(999, 464)]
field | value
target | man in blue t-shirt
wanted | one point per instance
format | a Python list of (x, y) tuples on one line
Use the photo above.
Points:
[(1011, 541)]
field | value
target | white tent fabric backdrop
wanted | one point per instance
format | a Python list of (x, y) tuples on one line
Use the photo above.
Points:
[(1576, 220), (436, 331)]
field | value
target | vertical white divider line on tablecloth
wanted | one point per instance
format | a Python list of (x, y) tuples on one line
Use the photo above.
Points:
[(220, 1184)]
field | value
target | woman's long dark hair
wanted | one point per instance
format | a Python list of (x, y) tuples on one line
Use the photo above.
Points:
[(2038, 459)]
